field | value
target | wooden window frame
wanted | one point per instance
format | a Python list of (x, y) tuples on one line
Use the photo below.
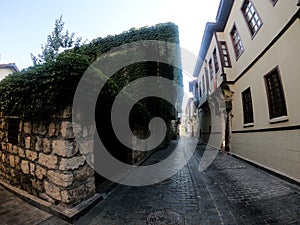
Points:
[(225, 57), (237, 42), (252, 17), (273, 2), (247, 107), (196, 90), (200, 90), (13, 130), (216, 61), (211, 70), (203, 85), (276, 98)]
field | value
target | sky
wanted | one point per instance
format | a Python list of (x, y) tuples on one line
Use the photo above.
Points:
[(25, 25)]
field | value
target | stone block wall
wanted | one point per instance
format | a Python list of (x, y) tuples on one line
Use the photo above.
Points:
[(135, 156), (46, 161)]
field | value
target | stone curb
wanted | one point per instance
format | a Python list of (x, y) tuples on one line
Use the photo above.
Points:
[(277, 174), (69, 215)]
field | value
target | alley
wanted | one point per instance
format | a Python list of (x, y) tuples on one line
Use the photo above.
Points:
[(230, 191)]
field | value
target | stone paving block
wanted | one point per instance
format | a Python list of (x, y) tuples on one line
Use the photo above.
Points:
[(229, 192), (14, 211)]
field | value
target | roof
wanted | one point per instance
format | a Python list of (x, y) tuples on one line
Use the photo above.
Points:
[(10, 66), (212, 27)]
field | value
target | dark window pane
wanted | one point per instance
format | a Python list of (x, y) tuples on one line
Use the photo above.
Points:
[(225, 54), (277, 105), (247, 106), (237, 43), (216, 60), (13, 130), (251, 16), (203, 83), (211, 72)]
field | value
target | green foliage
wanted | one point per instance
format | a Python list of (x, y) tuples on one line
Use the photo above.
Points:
[(45, 89), (55, 43), (163, 32)]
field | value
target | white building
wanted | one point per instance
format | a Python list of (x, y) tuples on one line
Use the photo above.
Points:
[(248, 77), (6, 69)]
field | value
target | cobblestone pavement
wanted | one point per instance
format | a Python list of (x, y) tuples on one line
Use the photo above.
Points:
[(15, 211), (230, 191)]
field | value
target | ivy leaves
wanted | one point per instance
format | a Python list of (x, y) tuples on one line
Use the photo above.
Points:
[(42, 90), (49, 86)]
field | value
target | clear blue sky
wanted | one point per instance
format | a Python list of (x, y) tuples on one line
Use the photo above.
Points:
[(26, 24)]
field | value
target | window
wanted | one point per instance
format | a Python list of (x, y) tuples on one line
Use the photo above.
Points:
[(203, 83), (252, 17), (216, 60), (200, 90), (225, 54), (247, 106), (276, 99), (13, 130), (237, 43), (196, 92), (273, 2), (211, 72)]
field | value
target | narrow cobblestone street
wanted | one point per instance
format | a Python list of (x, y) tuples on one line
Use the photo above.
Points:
[(230, 191)]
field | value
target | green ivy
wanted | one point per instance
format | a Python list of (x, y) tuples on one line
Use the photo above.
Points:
[(43, 90)]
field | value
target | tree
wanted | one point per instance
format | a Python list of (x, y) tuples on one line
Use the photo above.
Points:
[(56, 42)]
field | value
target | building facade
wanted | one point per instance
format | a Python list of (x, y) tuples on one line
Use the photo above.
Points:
[(6, 69), (247, 73), (190, 120)]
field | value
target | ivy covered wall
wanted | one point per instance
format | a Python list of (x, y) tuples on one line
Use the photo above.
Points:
[(37, 93), (34, 151)]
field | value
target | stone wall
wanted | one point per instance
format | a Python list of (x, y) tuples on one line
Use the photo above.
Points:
[(46, 161)]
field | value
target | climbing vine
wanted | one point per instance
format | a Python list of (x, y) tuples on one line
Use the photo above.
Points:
[(40, 91)]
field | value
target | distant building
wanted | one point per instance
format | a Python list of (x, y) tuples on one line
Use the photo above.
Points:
[(248, 79), (191, 119), (6, 69)]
